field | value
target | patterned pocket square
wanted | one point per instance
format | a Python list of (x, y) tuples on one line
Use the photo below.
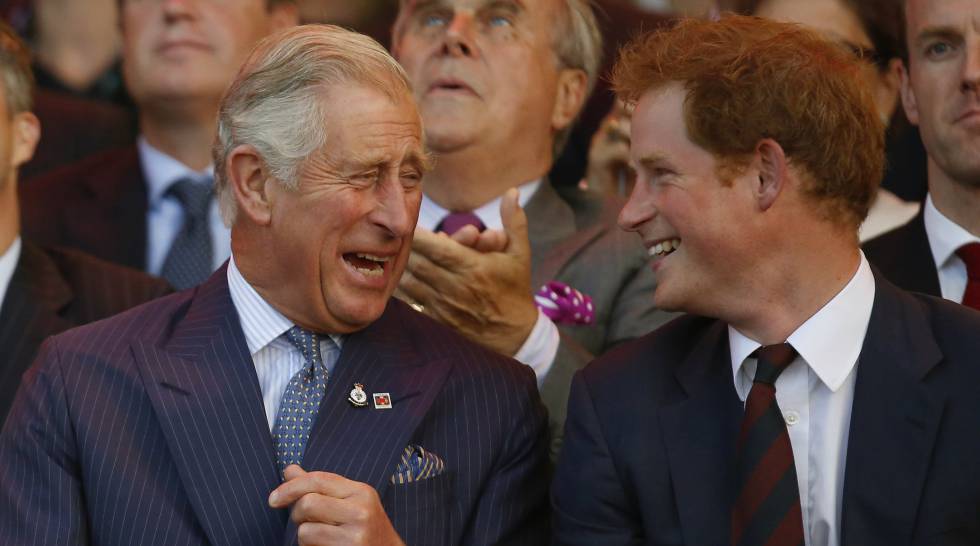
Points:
[(417, 464)]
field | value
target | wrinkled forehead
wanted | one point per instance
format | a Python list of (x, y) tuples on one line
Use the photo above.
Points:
[(521, 6), (929, 15)]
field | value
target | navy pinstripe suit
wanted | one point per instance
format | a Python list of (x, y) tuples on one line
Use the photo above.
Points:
[(54, 290), (148, 428)]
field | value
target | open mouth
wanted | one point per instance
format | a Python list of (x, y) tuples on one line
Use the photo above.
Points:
[(663, 248), (368, 265)]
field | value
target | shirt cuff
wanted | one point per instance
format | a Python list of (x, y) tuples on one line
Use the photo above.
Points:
[(540, 347)]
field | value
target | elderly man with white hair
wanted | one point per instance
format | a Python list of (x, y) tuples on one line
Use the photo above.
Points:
[(288, 398)]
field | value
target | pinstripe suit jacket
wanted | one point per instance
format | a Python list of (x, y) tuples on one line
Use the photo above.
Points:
[(149, 428), (53, 290)]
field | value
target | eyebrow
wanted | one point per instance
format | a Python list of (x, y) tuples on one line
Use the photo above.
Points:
[(931, 33), (514, 6)]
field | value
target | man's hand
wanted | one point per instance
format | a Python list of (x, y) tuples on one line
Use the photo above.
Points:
[(332, 510), (478, 283)]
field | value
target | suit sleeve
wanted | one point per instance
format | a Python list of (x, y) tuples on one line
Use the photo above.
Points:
[(513, 507), (589, 503), (41, 501)]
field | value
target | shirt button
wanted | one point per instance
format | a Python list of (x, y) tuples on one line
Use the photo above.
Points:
[(791, 418)]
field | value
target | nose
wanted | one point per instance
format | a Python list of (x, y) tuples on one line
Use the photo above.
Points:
[(458, 40), (639, 208), (174, 10), (394, 210), (971, 67)]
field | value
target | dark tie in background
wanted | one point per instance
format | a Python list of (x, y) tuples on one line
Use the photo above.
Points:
[(456, 221), (767, 509), (970, 254), (190, 259)]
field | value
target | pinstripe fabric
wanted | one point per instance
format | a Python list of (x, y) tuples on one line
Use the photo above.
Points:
[(53, 290), (149, 429)]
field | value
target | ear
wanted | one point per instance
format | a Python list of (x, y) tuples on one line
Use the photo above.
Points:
[(908, 96), (249, 178), (887, 89), (570, 97), (283, 15), (26, 133), (773, 173)]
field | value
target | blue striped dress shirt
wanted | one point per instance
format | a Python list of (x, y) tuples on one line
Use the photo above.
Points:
[(276, 359)]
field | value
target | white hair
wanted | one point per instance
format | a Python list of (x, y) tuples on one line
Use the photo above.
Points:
[(275, 104)]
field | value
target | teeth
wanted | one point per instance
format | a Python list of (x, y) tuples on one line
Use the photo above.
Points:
[(664, 247), (373, 258), (369, 272)]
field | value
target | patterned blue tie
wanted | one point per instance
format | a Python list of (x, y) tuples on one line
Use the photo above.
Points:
[(189, 260), (301, 400)]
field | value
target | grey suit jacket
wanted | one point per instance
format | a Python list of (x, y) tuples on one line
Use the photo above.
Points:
[(575, 240)]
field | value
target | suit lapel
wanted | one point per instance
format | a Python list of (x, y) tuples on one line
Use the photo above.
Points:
[(894, 422), (202, 384), (112, 223), (37, 293), (555, 238), (699, 435)]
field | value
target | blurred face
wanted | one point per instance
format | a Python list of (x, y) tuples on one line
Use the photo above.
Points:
[(483, 71), (344, 234), (941, 90), (840, 24), (176, 50), (690, 221)]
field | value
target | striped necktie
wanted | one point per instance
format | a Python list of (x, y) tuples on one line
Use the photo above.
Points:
[(767, 509), (301, 399)]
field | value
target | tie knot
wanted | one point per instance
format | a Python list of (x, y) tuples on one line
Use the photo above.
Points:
[(773, 359), (456, 221), (307, 342), (970, 254), (194, 196)]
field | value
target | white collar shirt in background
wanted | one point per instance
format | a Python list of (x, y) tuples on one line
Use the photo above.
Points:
[(8, 264), (815, 394), (276, 359), (945, 237), (165, 214), (541, 346)]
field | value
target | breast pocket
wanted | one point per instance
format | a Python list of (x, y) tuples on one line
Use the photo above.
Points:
[(422, 512)]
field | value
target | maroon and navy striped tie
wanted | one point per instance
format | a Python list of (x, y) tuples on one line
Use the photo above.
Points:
[(767, 509)]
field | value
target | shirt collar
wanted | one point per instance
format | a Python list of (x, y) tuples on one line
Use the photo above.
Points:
[(945, 236), (431, 213), (830, 341), (8, 264), (261, 323), (160, 171)]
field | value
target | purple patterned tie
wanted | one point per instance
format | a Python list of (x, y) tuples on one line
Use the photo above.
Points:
[(456, 221), (564, 305)]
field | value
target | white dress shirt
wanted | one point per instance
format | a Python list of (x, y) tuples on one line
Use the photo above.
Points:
[(945, 237), (165, 214), (541, 345), (276, 359), (8, 263), (815, 393)]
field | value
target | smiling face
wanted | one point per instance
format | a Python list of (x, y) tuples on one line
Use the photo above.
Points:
[(941, 91), (175, 50), (483, 71), (342, 237), (692, 222)]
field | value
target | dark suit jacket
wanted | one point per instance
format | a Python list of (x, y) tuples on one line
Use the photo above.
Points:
[(73, 128), (904, 257), (653, 424), (53, 290), (575, 240), (149, 428), (98, 206)]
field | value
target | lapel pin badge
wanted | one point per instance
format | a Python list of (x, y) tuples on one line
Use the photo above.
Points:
[(357, 397), (382, 400)]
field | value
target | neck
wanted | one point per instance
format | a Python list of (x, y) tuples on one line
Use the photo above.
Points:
[(471, 177), (76, 41), (794, 287), (957, 201), (186, 140), (9, 213)]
